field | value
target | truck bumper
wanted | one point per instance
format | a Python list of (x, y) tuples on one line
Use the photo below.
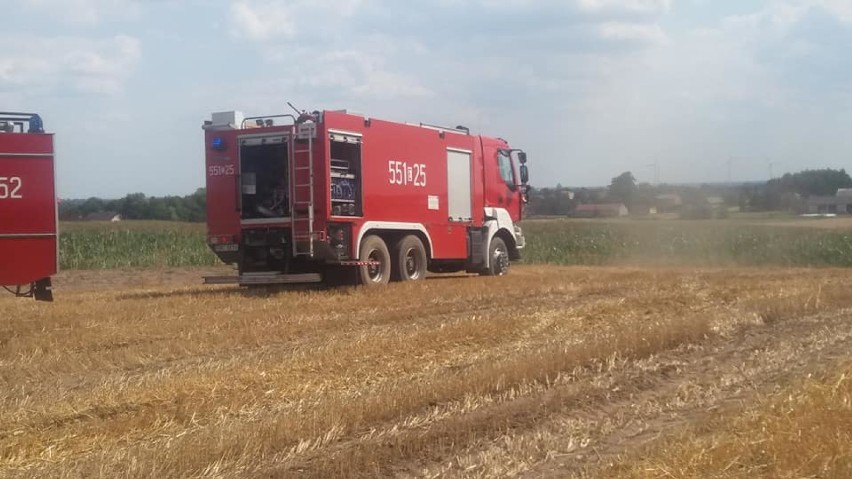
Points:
[(520, 240)]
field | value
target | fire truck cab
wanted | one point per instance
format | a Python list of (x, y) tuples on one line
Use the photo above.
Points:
[(28, 217), (340, 197)]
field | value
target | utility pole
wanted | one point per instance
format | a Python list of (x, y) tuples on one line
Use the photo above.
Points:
[(771, 167), (730, 165), (656, 168)]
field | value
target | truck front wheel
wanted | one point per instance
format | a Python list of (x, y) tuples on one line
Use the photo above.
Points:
[(375, 250), (498, 258), (410, 259)]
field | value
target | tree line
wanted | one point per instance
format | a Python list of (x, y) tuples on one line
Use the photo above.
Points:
[(784, 193), (778, 194), (137, 206)]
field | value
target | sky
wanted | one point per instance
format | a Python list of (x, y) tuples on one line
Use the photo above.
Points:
[(706, 90)]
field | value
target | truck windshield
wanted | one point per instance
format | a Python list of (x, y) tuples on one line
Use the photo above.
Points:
[(507, 173)]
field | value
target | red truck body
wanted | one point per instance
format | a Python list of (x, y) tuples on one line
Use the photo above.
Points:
[(28, 216), (333, 190)]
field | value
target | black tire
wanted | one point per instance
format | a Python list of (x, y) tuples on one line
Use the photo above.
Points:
[(410, 259), (374, 248), (498, 258)]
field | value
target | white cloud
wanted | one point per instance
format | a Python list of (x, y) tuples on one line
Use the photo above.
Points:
[(86, 12), (357, 73), (842, 9), (262, 21), (629, 6), (37, 65), (265, 20), (632, 32), (781, 15)]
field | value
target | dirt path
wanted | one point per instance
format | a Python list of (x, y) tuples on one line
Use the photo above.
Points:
[(94, 280)]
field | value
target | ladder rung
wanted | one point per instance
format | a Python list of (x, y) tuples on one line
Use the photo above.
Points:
[(301, 151), (307, 236), (302, 168), (302, 185)]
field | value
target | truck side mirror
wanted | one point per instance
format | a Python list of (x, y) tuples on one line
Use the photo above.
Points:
[(522, 157), (525, 174)]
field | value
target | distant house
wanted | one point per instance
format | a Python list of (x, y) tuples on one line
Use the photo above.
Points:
[(668, 203), (717, 202), (641, 209), (822, 205), (110, 216), (604, 210)]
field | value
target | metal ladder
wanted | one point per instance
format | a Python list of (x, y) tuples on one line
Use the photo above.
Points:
[(302, 190)]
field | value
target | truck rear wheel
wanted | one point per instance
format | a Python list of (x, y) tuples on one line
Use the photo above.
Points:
[(410, 259), (498, 258), (374, 249)]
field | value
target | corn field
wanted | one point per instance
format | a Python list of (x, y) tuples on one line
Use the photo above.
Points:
[(149, 244), (133, 245), (700, 243)]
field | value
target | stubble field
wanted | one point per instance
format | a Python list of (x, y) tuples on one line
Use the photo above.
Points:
[(552, 371)]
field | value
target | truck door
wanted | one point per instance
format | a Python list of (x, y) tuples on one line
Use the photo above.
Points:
[(501, 190)]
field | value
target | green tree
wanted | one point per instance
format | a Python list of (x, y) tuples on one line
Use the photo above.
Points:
[(623, 188), (134, 206), (824, 182)]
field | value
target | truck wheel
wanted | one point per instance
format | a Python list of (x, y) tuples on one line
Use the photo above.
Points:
[(374, 248), (498, 255), (410, 259)]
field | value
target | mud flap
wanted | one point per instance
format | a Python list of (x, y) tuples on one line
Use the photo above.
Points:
[(43, 290)]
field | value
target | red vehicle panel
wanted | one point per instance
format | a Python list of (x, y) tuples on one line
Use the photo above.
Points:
[(302, 198), (28, 227)]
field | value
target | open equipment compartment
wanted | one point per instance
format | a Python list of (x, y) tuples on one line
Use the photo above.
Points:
[(264, 177), (345, 172)]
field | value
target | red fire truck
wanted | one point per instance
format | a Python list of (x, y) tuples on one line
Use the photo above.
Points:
[(341, 197), (28, 239)]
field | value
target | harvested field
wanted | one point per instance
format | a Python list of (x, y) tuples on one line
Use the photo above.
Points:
[(550, 371)]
